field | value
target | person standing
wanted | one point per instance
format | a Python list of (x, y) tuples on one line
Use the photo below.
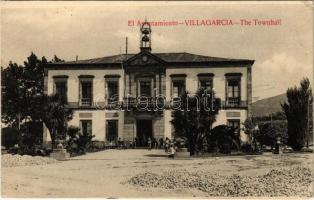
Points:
[(119, 143), (154, 143), (172, 150), (167, 144), (161, 143), (149, 142)]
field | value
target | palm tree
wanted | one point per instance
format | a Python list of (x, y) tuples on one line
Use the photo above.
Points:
[(55, 116), (193, 121)]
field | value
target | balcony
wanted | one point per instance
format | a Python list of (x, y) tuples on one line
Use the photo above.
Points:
[(86, 102), (149, 101), (233, 103)]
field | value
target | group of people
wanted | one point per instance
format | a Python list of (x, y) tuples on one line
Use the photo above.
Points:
[(152, 143), (168, 145)]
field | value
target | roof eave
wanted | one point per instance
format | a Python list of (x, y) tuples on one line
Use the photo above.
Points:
[(239, 62)]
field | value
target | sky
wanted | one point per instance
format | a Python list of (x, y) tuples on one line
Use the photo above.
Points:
[(283, 53)]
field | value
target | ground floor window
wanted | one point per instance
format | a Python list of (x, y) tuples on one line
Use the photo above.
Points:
[(235, 123), (111, 130), (86, 127)]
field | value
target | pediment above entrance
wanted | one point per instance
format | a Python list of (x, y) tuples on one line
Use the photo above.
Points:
[(144, 58)]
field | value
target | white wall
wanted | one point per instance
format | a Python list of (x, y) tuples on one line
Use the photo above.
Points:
[(99, 122), (99, 116), (73, 82), (218, 79)]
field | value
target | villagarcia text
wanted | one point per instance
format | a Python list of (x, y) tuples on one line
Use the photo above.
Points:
[(210, 22)]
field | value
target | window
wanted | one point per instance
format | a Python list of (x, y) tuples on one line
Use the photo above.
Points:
[(178, 85), (206, 84), (145, 88), (60, 86), (86, 92), (178, 88), (111, 130), (233, 90), (86, 127), (205, 81), (61, 89), (113, 91), (234, 123)]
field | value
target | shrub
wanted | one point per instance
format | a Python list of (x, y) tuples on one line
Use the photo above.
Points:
[(270, 131), (97, 146), (31, 138), (225, 138), (249, 129), (84, 142), (9, 137), (247, 148), (26, 141), (78, 143)]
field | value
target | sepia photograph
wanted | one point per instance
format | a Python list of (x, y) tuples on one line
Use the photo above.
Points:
[(166, 99)]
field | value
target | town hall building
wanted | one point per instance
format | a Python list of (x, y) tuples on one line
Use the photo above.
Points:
[(94, 88)]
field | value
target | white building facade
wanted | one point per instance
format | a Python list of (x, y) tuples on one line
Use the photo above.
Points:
[(102, 90)]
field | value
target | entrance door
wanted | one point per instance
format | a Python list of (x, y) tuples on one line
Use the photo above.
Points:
[(144, 131), (112, 130)]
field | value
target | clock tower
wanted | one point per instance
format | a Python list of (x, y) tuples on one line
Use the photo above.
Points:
[(145, 40)]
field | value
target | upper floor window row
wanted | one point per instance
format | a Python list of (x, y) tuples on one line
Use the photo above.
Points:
[(60, 86), (205, 80), (145, 87), (178, 83)]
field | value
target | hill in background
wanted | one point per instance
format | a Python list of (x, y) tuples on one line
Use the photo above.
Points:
[(269, 105)]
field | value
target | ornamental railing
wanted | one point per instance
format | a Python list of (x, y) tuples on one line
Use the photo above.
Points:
[(85, 102), (234, 103)]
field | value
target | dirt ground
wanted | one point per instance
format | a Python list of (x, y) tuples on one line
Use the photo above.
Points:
[(104, 174)]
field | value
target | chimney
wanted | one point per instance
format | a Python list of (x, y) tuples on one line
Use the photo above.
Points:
[(76, 58)]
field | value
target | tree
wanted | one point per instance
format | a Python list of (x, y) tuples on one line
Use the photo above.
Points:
[(22, 96), (224, 138), (248, 128), (13, 95), (56, 59), (9, 137), (22, 87), (297, 112), (269, 132), (193, 121), (55, 115)]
